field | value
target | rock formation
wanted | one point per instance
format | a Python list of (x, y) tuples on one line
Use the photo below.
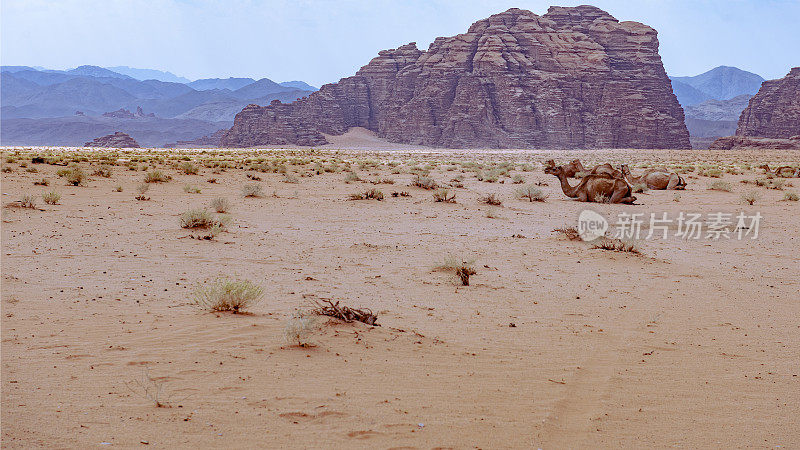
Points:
[(116, 140), (740, 142), (212, 140), (572, 78), (774, 112)]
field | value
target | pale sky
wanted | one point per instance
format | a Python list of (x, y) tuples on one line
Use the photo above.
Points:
[(320, 41)]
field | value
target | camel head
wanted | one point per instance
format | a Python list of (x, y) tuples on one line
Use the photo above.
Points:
[(550, 163), (625, 170), (554, 170)]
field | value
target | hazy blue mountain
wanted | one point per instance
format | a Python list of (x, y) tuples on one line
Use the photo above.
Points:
[(729, 109), (43, 78), (77, 94), (260, 88), (95, 71), (14, 90), (149, 74), (12, 69), (75, 130), (301, 85), (724, 82), (232, 84), (688, 95)]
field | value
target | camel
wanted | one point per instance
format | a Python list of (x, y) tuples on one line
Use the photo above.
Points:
[(575, 168), (782, 171), (654, 179), (593, 188), (571, 169)]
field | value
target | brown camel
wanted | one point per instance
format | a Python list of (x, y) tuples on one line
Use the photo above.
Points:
[(782, 171), (599, 169), (654, 179), (575, 169), (571, 169), (594, 188)]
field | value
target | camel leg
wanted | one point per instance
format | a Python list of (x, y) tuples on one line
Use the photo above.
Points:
[(628, 200), (618, 196), (583, 197), (674, 179)]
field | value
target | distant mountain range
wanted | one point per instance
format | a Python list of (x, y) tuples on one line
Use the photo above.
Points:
[(713, 101), (64, 107)]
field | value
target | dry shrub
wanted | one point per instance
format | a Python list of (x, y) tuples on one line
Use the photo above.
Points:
[(299, 328), (189, 168), (531, 193), (74, 176), (443, 195), (189, 189), (720, 185), (371, 194), (102, 171), (42, 182), (461, 267), (51, 198), (750, 197), (156, 176), (221, 205), (790, 197), (570, 233), (252, 190), (225, 294), (616, 245), (492, 199), (142, 190), (28, 201), (424, 182), (202, 218)]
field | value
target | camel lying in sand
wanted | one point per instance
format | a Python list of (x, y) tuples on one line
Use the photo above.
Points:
[(594, 188), (575, 169), (654, 179), (782, 171)]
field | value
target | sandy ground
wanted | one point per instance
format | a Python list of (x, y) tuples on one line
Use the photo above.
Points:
[(692, 344)]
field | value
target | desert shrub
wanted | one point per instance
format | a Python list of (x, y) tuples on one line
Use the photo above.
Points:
[(7, 169), (74, 176), (750, 197), (461, 267), (491, 199), (156, 176), (51, 198), (639, 187), (517, 179), (225, 294), (28, 201), (351, 177), (424, 182), (42, 182), (190, 189), (371, 194), (142, 190), (32, 170), (299, 328), (570, 233), (443, 195), (713, 173), (221, 205), (790, 197), (720, 185), (202, 218), (290, 178), (103, 171), (531, 193), (118, 188), (252, 190), (616, 245), (189, 168)]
